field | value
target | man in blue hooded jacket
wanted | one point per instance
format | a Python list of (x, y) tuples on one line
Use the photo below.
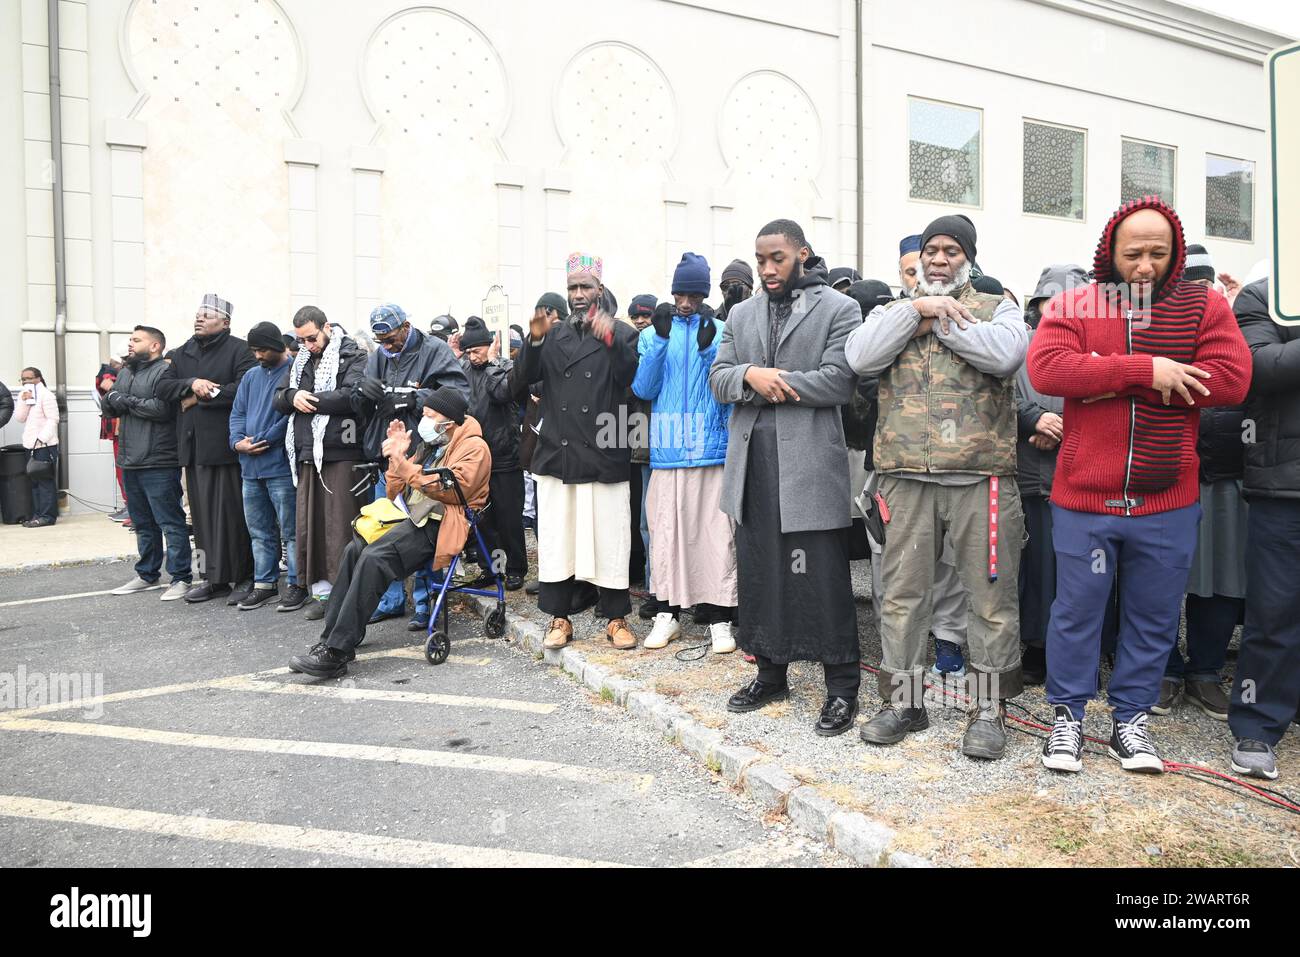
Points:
[(693, 562)]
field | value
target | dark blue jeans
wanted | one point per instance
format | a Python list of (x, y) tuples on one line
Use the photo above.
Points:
[(271, 513), (1155, 555), (153, 499), (1266, 688), (45, 503), (1210, 623)]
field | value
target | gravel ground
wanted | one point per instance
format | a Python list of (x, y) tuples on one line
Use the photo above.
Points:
[(959, 811)]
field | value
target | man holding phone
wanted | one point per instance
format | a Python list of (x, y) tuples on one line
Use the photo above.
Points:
[(270, 505)]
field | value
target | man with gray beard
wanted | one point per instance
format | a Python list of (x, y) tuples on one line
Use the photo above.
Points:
[(945, 446)]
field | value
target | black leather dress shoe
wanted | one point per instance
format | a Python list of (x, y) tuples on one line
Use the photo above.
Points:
[(533, 587), (756, 694), (838, 715)]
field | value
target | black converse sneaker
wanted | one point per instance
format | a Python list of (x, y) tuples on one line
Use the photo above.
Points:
[(1131, 745), (1064, 748)]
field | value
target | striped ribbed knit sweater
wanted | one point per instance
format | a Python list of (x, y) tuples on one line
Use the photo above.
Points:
[(1131, 454)]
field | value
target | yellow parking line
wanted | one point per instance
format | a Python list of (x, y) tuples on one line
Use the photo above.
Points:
[(368, 694), (332, 749), (308, 840)]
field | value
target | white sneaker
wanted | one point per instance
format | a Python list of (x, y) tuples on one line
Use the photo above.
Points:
[(176, 591), (134, 585), (723, 642), (665, 630)]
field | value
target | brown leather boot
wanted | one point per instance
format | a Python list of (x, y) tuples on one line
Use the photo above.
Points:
[(558, 633), (618, 634)]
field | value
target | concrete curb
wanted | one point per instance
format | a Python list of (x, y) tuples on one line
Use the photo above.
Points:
[(70, 563), (861, 838)]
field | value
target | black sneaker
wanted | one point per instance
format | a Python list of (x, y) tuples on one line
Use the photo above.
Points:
[(1063, 750), (322, 662), (294, 597), (258, 596), (315, 609), (240, 592), (514, 582), (1170, 691), (533, 587), (890, 725), (206, 591), (1209, 697), (1131, 745)]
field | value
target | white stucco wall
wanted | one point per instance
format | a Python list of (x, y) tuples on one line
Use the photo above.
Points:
[(282, 152)]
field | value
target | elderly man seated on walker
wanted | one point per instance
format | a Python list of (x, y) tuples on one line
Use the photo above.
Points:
[(435, 527)]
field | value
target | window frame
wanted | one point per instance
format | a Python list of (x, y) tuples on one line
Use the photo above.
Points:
[(1084, 203), (961, 106), (1254, 166), (1173, 201)]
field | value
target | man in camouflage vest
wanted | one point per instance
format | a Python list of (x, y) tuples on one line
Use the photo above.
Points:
[(946, 447)]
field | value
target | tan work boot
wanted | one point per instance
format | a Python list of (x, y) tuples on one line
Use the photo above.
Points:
[(558, 633), (618, 634)]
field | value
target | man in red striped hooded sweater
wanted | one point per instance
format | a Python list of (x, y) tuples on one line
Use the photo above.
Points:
[(1135, 355)]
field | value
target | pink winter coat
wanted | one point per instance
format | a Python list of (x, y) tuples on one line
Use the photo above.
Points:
[(41, 421)]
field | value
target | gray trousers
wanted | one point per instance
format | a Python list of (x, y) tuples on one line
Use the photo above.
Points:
[(923, 514)]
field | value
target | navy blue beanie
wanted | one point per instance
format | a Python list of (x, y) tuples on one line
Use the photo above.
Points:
[(692, 275)]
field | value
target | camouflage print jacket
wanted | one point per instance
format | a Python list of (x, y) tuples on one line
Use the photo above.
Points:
[(947, 403)]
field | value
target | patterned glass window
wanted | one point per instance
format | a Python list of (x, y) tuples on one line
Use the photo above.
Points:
[(944, 152), (1146, 170), (1053, 170), (1229, 197)]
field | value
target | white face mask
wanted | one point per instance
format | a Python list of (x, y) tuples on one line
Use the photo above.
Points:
[(435, 433)]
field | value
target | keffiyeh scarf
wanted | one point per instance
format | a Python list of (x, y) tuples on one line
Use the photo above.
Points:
[(327, 370)]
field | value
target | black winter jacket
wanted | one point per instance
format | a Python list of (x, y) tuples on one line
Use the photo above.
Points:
[(203, 430), (493, 402), (1035, 468), (142, 402), (1221, 443), (426, 363), (585, 382), (6, 405), (345, 431), (1273, 404)]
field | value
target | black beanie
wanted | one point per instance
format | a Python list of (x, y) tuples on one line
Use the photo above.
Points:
[(987, 285), (447, 400), (841, 273), (475, 334), (265, 335), (553, 300), (738, 271), (959, 227), (1199, 264), (642, 306), (869, 293)]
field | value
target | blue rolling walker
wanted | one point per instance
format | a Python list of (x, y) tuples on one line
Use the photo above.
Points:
[(438, 645)]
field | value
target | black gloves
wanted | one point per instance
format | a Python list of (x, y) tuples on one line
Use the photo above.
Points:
[(372, 389), (663, 320), (707, 328), (402, 402)]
